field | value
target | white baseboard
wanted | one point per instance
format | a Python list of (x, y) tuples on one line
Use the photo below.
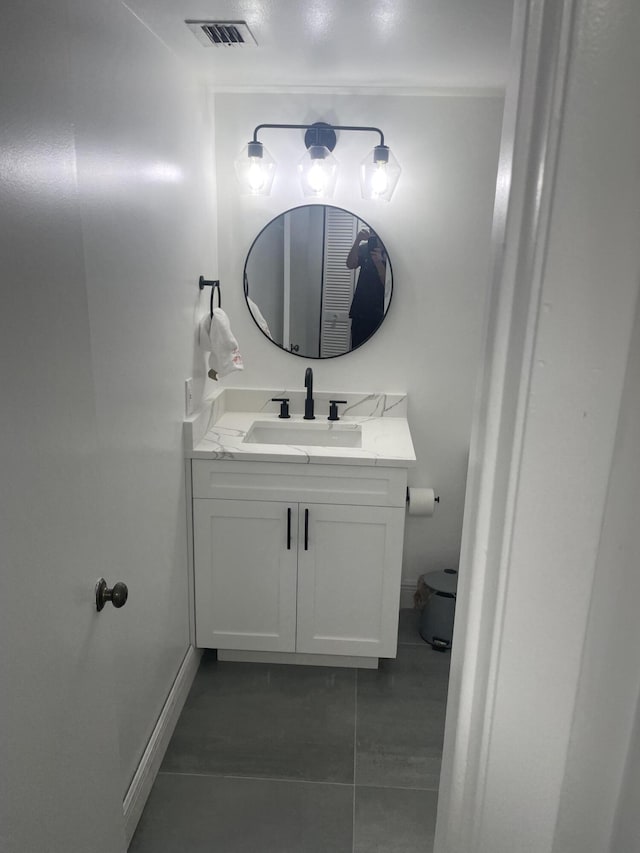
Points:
[(142, 782), (407, 589)]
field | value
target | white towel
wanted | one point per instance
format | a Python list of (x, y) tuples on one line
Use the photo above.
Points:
[(204, 327), (215, 337), (257, 316)]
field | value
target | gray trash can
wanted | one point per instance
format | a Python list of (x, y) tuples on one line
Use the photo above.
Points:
[(436, 620)]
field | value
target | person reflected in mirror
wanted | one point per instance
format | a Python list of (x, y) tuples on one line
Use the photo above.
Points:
[(367, 305)]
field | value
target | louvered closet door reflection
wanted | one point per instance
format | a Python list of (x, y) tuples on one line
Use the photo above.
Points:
[(337, 282)]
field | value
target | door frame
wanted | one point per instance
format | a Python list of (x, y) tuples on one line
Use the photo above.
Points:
[(482, 806)]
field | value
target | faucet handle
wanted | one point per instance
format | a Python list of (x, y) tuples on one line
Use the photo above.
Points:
[(284, 406), (333, 409)]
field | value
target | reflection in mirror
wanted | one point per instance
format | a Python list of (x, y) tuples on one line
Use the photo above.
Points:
[(318, 281)]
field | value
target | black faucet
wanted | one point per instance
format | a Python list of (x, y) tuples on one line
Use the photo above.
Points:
[(308, 403)]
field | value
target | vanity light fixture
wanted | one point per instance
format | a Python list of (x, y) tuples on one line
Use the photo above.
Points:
[(318, 168)]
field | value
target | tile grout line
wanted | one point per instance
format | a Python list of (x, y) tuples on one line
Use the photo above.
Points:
[(355, 753), (254, 778), (295, 781)]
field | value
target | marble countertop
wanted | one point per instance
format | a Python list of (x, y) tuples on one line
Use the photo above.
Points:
[(218, 431)]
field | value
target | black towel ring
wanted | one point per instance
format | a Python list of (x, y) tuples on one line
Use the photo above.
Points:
[(215, 286)]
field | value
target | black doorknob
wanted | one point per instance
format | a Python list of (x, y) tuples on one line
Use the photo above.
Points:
[(117, 595)]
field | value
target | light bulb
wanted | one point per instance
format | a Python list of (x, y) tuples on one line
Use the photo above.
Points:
[(318, 170), (380, 180), (379, 173), (255, 174), (317, 178), (255, 169)]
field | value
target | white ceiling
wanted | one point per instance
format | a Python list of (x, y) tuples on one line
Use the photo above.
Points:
[(343, 44)]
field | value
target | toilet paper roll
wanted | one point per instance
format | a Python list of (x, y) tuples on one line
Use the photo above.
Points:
[(421, 501)]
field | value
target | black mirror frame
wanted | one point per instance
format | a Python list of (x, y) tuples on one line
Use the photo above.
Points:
[(246, 295)]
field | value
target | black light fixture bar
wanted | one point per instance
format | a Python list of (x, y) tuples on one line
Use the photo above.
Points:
[(317, 126)]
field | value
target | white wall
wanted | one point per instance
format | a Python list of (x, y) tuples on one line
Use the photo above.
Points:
[(626, 827), (609, 688), (147, 196), (436, 230)]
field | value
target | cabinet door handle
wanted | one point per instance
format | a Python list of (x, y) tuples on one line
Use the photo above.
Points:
[(306, 530), (288, 528)]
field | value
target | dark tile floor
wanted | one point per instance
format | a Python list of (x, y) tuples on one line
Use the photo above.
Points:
[(298, 759)]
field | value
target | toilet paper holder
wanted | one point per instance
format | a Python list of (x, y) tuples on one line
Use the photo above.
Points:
[(436, 499)]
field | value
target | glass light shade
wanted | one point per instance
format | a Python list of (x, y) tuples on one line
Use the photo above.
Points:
[(379, 174), (255, 169), (318, 171)]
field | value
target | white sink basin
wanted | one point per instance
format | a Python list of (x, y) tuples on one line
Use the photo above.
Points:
[(311, 434)]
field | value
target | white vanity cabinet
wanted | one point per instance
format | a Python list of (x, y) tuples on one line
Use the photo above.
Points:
[(245, 575), (349, 580), (297, 561)]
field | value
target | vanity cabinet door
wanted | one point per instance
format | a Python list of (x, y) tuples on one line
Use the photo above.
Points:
[(349, 564), (245, 574)]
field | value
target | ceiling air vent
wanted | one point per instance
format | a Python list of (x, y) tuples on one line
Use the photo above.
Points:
[(222, 33)]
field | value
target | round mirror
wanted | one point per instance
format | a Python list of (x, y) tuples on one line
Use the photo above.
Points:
[(318, 281)]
